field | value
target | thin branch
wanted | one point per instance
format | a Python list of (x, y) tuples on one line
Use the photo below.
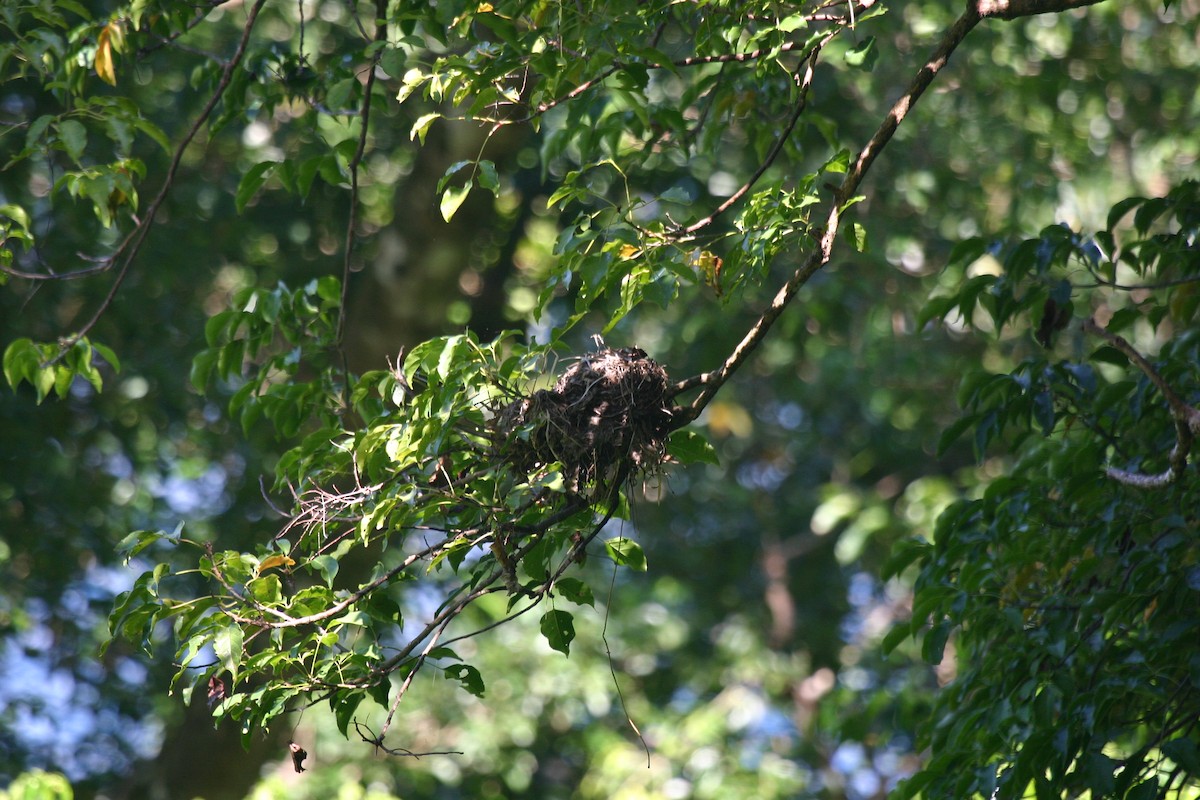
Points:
[(408, 679), (805, 83), (355, 162), (1179, 408), (1186, 417), (1133, 287), (377, 741), (820, 256), (128, 250), (163, 41)]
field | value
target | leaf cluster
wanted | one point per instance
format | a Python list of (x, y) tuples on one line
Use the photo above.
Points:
[(1065, 592)]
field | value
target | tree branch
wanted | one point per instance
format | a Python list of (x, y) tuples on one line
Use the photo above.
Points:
[(804, 82), (380, 35), (819, 257), (1187, 418), (128, 250), (1015, 9)]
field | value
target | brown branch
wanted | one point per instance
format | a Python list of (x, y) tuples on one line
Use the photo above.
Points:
[(976, 11), (376, 740), (1015, 9), (352, 167), (820, 256), (1180, 410)]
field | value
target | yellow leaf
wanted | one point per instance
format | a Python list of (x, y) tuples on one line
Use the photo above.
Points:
[(274, 561), (104, 56), (709, 266)]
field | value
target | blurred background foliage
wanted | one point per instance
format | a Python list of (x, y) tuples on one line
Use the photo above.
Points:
[(748, 655)]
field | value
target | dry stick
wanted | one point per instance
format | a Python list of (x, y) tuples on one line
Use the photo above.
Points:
[(1186, 417), (713, 380), (129, 248)]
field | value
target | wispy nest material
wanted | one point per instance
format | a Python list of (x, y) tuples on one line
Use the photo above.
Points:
[(606, 418)]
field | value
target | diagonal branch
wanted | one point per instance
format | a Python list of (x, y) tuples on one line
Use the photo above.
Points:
[(976, 11), (712, 381), (1015, 9)]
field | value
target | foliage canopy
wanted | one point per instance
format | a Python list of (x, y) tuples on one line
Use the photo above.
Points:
[(668, 176)]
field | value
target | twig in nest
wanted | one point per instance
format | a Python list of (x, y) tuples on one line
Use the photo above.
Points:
[(606, 417)]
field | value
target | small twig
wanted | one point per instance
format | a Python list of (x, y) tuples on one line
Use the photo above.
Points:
[(376, 740), (408, 679), (613, 670), (352, 168), (204, 9)]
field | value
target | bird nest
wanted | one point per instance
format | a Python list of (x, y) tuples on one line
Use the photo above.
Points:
[(606, 419)]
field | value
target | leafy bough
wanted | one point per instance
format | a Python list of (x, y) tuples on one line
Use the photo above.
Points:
[(450, 472)]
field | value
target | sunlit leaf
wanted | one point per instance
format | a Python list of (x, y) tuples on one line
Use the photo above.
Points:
[(452, 199), (626, 553)]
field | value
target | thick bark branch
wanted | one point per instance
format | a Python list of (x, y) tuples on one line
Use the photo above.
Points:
[(976, 11), (1015, 9), (712, 381)]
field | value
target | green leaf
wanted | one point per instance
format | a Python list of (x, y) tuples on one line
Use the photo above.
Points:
[(73, 136), (21, 362), (626, 553), (344, 706), (1146, 790), (421, 126), (468, 676), (903, 555), (856, 234), (339, 94), (894, 637), (1097, 770), (1185, 753), (689, 447), (488, 177), (576, 591), (108, 355), (559, 629), (863, 54), (266, 589), (135, 543), (252, 181), (452, 198), (227, 644), (327, 565), (933, 647), (1120, 209)]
